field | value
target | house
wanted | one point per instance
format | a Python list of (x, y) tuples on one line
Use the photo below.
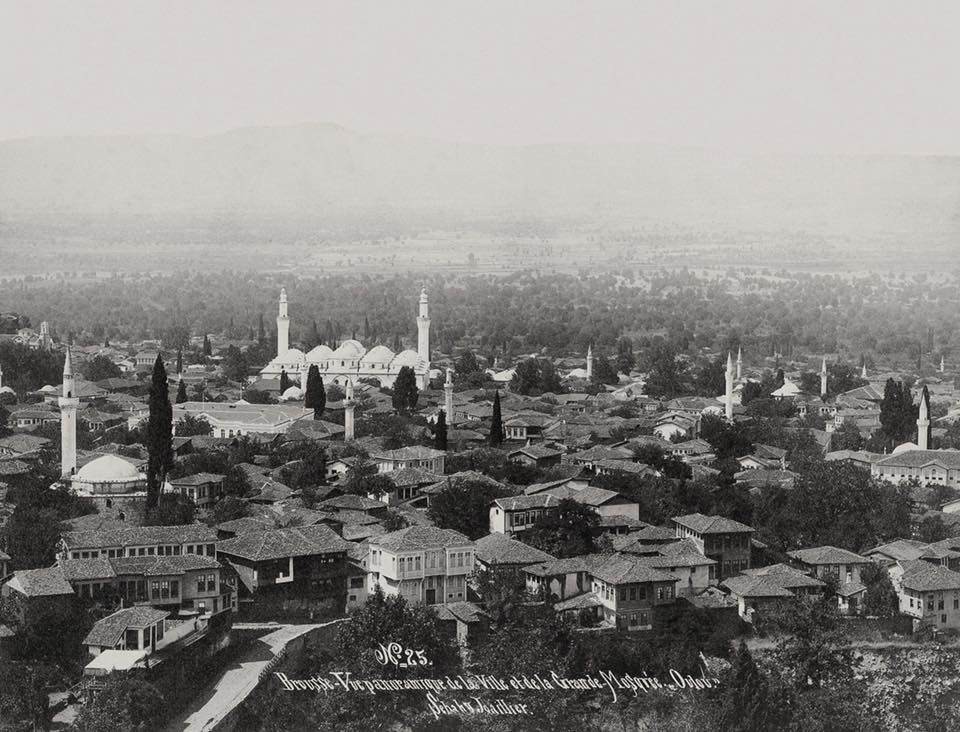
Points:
[(351, 502), (414, 456), (758, 588), (690, 451), (456, 480), (538, 456), (616, 590), (759, 478), (930, 594), (21, 445), (604, 502), (844, 566), (724, 540), (128, 629), (528, 426), (204, 489), (674, 425), (610, 467), (764, 457), (30, 594), (307, 561), (502, 552), (140, 541), (28, 418), (423, 564), (590, 457), (514, 514), (463, 621), (933, 467), (681, 558), (409, 483)]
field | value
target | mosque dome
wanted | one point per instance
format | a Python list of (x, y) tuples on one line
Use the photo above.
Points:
[(292, 394), (293, 355), (380, 355), (406, 358), (319, 353), (349, 349), (108, 469)]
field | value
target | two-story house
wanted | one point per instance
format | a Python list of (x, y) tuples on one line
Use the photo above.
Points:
[(138, 541), (413, 456), (423, 564), (724, 540), (842, 565), (528, 427), (204, 489), (930, 594), (303, 562)]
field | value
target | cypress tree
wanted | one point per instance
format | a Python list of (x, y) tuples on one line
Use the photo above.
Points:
[(179, 360), (284, 381), (207, 350), (405, 391), (181, 392), (366, 328), (440, 431), (261, 333), (747, 705), (159, 433), (496, 423), (315, 397)]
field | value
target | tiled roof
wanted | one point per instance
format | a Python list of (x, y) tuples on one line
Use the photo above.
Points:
[(501, 549), (245, 525), (109, 630), (827, 555), (406, 477), (584, 601), (537, 451), (414, 538), (281, 543), (524, 503), (87, 569), (710, 524), (412, 452), (40, 582), (465, 612), (162, 565), (139, 536), (787, 576), (198, 479), (948, 459), (625, 569), (926, 577), (747, 586), (351, 502), (900, 549)]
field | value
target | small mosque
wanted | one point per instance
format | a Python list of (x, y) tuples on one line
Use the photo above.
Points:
[(350, 361), (114, 485)]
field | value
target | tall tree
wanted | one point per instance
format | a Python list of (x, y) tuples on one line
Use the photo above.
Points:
[(181, 392), (746, 705), (496, 423), (159, 433), (261, 331), (207, 349), (405, 391), (366, 328), (179, 360), (440, 431), (284, 381), (315, 397)]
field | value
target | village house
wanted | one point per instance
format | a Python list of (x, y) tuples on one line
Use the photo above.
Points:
[(422, 564), (528, 426), (757, 589), (499, 552), (930, 594), (843, 566), (538, 456), (764, 457), (724, 540), (141, 541), (934, 467), (204, 489), (414, 456)]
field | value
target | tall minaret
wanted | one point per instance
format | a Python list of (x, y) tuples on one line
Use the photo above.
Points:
[(590, 362), (943, 364), (423, 336), (283, 325), (823, 378), (68, 420), (448, 396), (863, 371), (45, 335), (348, 413), (923, 421), (729, 390), (739, 362)]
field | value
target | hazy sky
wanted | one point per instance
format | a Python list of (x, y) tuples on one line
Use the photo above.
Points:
[(767, 75)]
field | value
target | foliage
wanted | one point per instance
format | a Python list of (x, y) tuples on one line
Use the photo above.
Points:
[(440, 431), (880, 599), (191, 426), (159, 433), (464, 506), (100, 368), (128, 702), (315, 397), (898, 415), (405, 391), (567, 532), (172, 509), (496, 423), (535, 376)]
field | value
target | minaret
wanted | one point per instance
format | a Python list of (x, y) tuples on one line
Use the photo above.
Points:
[(348, 413), (863, 371), (729, 390), (448, 396), (68, 420), (590, 362), (943, 364), (923, 421), (45, 335), (423, 336), (304, 372), (1, 375), (823, 379), (283, 325), (739, 363)]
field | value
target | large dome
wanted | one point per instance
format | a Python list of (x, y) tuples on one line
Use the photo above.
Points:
[(380, 355), (108, 469), (319, 353), (349, 349)]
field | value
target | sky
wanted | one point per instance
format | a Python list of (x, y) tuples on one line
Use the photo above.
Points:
[(822, 77)]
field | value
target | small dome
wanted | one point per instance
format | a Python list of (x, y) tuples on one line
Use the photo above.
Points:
[(319, 353), (906, 446), (292, 393), (6, 390), (349, 349), (106, 469), (293, 355), (48, 389), (380, 355)]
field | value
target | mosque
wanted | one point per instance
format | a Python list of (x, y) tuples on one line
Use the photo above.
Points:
[(351, 361)]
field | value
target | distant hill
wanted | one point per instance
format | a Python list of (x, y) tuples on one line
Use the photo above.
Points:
[(324, 169)]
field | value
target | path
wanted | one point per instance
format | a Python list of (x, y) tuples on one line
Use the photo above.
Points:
[(219, 698)]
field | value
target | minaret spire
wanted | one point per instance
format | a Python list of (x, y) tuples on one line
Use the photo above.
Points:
[(728, 393), (590, 361), (923, 421), (283, 325), (739, 362), (68, 419), (348, 405), (448, 396), (423, 336), (823, 378)]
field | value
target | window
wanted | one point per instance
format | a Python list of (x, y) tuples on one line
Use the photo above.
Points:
[(623, 593), (633, 593)]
